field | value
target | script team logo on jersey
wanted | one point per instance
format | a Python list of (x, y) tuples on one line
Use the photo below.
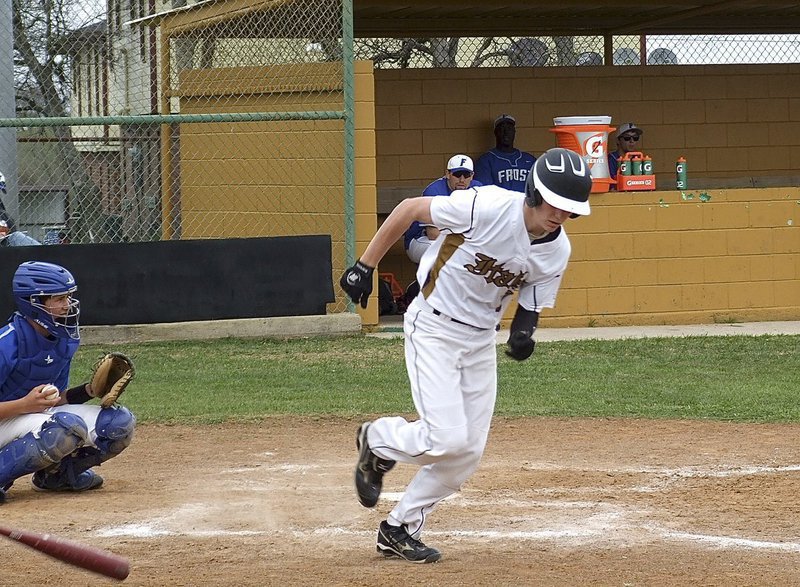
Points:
[(494, 272)]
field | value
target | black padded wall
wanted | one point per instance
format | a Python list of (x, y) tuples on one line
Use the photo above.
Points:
[(176, 281)]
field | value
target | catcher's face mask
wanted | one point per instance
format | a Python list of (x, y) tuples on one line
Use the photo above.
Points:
[(58, 313)]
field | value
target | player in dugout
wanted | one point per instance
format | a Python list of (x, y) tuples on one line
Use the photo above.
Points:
[(493, 242), (505, 165)]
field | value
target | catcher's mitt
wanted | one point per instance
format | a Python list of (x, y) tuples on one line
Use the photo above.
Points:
[(110, 376)]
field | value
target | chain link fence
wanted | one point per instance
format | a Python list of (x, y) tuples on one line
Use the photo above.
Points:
[(136, 121), (127, 120), (579, 51)]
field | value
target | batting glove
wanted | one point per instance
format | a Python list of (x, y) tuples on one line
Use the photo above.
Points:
[(357, 283), (520, 345)]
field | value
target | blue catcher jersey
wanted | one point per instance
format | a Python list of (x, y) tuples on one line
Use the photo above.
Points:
[(28, 359)]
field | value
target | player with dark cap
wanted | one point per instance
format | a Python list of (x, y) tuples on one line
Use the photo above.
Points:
[(493, 242), (504, 166)]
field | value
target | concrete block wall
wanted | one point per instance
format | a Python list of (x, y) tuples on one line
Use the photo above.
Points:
[(729, 121), (701, 256), (242, 172), (646, 257), (670, 258)]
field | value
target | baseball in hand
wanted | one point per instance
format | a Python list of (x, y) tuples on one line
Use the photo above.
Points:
[(50, 392)]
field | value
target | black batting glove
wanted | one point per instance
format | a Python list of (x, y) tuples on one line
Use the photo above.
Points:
[(357, 283), (520, 345)]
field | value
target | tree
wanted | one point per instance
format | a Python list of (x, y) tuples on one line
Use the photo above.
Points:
[(42, 32), (454, 52)]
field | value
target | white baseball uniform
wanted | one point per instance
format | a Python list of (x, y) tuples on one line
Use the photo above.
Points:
[(483, 254)]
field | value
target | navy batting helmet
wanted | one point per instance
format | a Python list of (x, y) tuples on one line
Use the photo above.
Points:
[(33, 283), (561, 178)]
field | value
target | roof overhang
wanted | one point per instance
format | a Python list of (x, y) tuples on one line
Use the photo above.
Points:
[(482, 18)]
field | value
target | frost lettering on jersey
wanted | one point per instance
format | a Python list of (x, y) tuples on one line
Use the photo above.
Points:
[(512, 174), (494, 272)]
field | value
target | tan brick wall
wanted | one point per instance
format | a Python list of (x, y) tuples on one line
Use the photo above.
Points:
[(271, 158), (719, 117), (683, 260), (664, 258), (641, 258)]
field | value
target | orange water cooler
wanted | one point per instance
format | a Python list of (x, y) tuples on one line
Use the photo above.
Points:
[(588, 136)]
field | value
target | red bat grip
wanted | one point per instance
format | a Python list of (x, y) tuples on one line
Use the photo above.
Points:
[(87, 557)]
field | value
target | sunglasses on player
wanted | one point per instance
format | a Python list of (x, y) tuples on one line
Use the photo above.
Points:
[(462, 173), (630, 138)]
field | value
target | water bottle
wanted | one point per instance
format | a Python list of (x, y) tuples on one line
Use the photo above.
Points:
[(681, 181), (636, 165), (647, 165), (624, 167)]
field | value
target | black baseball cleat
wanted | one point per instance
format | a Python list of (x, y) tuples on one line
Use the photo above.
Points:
[(369, 470), (43, 481), (395, 541)]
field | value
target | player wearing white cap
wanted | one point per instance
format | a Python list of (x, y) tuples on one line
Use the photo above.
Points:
[(505, 165), (458, 175), (492, 243)]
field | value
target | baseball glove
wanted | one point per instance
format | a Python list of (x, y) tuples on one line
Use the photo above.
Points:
[(110, 376)]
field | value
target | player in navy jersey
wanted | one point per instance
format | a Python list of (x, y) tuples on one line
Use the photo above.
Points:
[(504, 165), (457, 176)]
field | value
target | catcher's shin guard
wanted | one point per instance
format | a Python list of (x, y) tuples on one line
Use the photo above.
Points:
[(60, 435), (114, 429)]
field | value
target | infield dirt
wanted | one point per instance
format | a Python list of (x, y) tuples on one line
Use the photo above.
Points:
[(554, 502)]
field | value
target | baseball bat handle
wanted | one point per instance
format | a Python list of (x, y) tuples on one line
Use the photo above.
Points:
[(77, 554)]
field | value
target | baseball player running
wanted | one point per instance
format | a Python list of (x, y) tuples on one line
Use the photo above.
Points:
[(492, 242)]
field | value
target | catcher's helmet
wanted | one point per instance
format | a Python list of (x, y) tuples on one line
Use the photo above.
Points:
[(561, 178), (33, 283)]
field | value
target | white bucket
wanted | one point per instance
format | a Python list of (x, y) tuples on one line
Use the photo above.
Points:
[(577, 120), (588, 136)]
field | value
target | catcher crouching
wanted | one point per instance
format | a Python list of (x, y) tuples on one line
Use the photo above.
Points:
[(46, 427)]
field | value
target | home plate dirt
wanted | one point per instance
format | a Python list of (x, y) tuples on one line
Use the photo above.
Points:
[(554, 502)]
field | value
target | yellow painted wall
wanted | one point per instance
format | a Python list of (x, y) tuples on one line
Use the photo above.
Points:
[(703, 256), (669, 258), (276, 178), (729, 121), (647, 257)]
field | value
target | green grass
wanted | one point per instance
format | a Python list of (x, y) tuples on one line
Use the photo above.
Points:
[(740, 378)]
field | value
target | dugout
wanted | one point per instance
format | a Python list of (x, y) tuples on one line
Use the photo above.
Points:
[(726, 249)]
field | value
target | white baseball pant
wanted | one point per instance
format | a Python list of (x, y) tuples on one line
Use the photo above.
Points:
[(452, 369)]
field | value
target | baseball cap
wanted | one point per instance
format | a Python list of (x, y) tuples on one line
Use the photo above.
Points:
[(460, 163), (504, 118), (628, 126)]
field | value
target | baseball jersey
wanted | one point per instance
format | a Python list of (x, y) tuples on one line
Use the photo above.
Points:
[(507, 170), (28, 359), (613, 164), (437, 187), (484, 253)]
